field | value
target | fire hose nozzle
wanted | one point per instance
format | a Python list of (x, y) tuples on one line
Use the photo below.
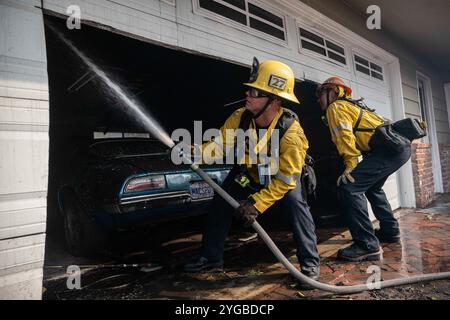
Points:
[(189, 153)]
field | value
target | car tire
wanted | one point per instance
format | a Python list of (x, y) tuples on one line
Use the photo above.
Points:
[(82, 237)]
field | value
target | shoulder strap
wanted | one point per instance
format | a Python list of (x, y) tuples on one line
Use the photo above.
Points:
[(246, 119), (361, 107), (285, 122), (356, 127), (359, 103)]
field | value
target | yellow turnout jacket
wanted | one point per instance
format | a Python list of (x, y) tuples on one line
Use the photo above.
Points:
[(342, 117), (292, 152)]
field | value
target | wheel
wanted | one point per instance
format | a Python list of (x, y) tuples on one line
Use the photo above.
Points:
[(82, 237)]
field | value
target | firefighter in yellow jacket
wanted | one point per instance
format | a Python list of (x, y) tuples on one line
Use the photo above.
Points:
[(352, 125), (260, 185)]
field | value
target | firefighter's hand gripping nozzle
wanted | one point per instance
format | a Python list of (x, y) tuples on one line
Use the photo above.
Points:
[(188, 153)]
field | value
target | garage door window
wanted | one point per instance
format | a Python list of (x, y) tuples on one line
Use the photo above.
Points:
[(318, 44), (369, 68), (248, 14)]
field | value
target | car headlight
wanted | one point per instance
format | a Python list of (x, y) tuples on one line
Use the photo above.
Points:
[(145, 183)]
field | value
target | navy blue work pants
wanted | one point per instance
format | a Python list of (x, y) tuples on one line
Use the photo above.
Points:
[(295, 211), (370, 175)]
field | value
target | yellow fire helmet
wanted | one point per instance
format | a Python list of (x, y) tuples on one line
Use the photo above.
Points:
[(273, 77)]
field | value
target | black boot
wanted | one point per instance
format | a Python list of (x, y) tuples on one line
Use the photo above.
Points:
[(202, 264), (387, 236), (356, 254), (312, 273)]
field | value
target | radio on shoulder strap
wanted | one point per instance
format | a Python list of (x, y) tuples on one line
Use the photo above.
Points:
[(308, 177)]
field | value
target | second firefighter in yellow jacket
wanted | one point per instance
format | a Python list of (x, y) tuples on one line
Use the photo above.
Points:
[(352, 126), (257, 185), (341, 116)]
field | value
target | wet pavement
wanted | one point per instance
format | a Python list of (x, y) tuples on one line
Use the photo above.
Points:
[(251, 271), (424, 248)]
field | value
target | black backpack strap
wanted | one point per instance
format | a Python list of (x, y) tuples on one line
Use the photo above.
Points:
[(288, 117), (359, 103), (244, 124), (356, 127), (285, 122), (361, 107), (246, 119)]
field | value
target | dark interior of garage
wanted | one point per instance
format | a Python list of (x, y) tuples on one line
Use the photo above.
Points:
[(176, 87)]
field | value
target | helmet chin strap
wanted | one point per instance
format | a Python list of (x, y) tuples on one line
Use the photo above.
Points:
[(328, 97), (269, 101)]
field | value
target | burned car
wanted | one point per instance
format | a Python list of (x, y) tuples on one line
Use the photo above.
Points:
[(127, 182)]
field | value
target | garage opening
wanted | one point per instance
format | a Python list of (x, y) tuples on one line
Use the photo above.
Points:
[(328, 163), (176, 87)]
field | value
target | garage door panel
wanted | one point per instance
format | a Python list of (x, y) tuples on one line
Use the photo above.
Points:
[(390, 188), (370, 82), (378, 100), (371, 93)]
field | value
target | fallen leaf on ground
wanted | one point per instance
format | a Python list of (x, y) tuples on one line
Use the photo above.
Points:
[(254, 273)]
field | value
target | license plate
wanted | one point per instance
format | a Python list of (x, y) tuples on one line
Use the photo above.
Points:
[(201, 190)]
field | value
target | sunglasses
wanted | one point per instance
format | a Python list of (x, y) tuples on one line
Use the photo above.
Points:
[(255, 93)]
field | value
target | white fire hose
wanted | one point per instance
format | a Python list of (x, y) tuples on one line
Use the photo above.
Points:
[(300, 276)]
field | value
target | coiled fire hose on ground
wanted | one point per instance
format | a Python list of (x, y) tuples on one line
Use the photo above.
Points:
[(300, 276)]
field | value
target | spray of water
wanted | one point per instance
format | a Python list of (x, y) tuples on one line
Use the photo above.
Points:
[(147, 121)]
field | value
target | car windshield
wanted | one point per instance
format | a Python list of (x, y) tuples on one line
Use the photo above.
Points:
[(127, 147)]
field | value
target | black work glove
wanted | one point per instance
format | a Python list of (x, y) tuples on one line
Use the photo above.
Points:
[(247, 212)]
